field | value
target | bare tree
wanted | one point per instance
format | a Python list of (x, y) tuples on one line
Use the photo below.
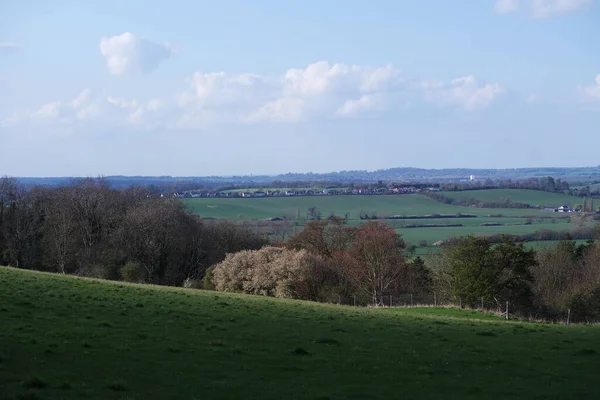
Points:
[(378, 264), (59, 230)]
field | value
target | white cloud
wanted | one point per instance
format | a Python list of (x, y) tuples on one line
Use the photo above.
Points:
[(8, 47), (80, 108), (593, 92), (542, 8), (506, 6), (141, 114), (365, 102), (128, 53), (317, 91), (549, 8), (464, 92)]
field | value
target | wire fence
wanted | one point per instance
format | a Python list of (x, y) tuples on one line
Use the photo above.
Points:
[(499, 308)]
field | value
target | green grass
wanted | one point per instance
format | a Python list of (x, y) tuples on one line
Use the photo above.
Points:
[(531, 197), (413, 235), (71, 338), (410, 204)]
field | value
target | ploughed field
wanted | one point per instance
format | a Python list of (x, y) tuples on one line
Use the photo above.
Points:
[(71, 338)]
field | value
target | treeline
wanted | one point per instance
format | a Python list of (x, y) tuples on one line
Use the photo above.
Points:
[(547, 184), (89, 229), (473, 202), (328, 261), (325, 261)]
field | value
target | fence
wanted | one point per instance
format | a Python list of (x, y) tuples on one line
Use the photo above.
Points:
[(500, 308)]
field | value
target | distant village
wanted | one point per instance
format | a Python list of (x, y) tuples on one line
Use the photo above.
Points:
[(307, 192)]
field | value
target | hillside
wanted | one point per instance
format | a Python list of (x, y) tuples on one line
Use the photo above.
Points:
[(526, 196), (71, 338)]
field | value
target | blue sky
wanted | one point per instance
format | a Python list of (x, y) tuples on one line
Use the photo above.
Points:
[(238, 87)]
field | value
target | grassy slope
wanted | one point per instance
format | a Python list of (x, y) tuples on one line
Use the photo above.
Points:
[(286, 206), (532, 197), (117, 341)]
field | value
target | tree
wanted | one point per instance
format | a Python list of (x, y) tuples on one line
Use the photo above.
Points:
[(378, 262), (59, 230), (420, 279), (22, 226), (472, 268)]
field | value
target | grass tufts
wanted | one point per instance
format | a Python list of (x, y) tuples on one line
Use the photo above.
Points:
[(34, 383), (299, 351)]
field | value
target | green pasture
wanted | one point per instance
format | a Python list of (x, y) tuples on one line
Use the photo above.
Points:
[(386, 205), (71, 338), (526, 196), (432, 235)]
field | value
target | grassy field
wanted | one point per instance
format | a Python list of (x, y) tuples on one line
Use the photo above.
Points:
[(531, 197), (71, 338), (434, 234), (410, 204)]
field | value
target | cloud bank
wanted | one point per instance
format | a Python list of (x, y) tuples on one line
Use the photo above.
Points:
[(318, 91)]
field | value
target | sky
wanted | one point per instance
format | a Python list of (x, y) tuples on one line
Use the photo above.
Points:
[(197, 88)]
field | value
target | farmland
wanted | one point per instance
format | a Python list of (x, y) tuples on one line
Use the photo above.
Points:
[(531, 197), (508, 221), (410, 204), (72, 338)]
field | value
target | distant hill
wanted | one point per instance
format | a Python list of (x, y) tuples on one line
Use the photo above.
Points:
[(578, 174)]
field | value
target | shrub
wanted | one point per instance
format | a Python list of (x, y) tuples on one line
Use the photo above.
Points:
[(190, 283), (207, 279), (133, 272), (423, 243), (271, 271)]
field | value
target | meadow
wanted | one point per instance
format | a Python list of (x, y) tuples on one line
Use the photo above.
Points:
[(409, 204), (531, 197), (71, 338), (511, 220)]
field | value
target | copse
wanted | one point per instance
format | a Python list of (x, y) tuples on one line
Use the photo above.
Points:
[(473, 268), (567, 277), (324, 262), (91, 229)]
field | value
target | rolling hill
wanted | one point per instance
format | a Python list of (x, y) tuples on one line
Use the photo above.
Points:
[(71, 338)]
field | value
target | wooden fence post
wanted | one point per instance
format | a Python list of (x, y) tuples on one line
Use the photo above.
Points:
[(507, 310), (435, 299), (568, 316)]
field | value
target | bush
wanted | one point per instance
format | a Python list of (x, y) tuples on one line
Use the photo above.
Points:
[(271, 271), (133, 272), (190, 283), (423, 243), (207, 279)]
